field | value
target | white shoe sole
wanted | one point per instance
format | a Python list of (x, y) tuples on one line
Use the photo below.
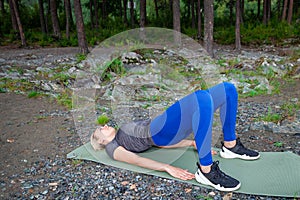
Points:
[(203, 180), (225, 153)]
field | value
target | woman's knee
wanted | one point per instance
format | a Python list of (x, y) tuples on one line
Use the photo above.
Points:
[(230, 88), (204, 98)]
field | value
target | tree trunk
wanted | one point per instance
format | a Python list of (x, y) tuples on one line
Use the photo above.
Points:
[(20, 27), (120, 9), (156, 9), (199, 18), (176, 21), (209, 26), (68, 23), (42, 17), (284, 10), (48, 16), (96, 13), (82, 43), (193, 14), (2, 9), (265, 19), (290, 13), (269, 7), (125, 11), (13, 16), (279, 9), (238, 26), (142, 13), (91, 14), (258, 8), (132, 12), (104, 11), (242, 13), (54, 17), (188, 5)]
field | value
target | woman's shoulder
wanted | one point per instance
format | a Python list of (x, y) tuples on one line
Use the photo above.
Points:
[(111, 147)]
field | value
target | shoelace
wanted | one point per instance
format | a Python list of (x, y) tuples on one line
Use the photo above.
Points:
[(217, 172), (215, 169)]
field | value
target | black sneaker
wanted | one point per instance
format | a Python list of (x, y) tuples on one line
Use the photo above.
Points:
[(217, 179), (238, 151)]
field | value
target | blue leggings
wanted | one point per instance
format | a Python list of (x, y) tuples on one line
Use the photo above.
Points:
[(194, 113)]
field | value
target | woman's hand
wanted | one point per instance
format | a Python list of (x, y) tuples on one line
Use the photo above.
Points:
[(182, 174)]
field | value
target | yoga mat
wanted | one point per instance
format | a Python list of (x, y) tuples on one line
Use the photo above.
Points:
[(273, 174)]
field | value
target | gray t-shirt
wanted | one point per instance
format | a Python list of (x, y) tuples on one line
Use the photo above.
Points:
[(134, 137)]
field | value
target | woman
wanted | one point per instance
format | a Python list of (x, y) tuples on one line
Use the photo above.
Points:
[(193, 113)]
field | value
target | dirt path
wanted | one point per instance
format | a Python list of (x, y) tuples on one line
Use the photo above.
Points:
[(31, 129)]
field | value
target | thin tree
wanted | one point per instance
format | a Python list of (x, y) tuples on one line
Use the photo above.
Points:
[(265, 12), (42, 16), (199, 18), (156, 9), (104, 9), (269, 10), (13, 16), (209, 26), (91, 13), (285, 4), (279, 9), (238, 26), (96, 14), (20, 27), (193, 14), (54, 18), (82, 42), (142, 13), (68, 18), (125, 11), (2, 8), (132, 12), (290, 12), (258, 8), (176, 21)]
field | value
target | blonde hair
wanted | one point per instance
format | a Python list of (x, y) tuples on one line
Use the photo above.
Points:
[(94, 142)]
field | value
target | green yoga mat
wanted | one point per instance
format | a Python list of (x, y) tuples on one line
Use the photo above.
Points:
[(273, 174)]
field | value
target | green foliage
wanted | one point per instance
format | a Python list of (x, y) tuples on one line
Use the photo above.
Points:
[(33, 94), (257, 33), (80, 57), (290, 109), (64, 98), (278, 144), (102, 119), (13, 85), (113, 68)]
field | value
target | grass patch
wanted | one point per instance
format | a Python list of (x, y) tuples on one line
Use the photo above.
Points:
[(65, 99), (112, 69), (102, 119), (34, 94)]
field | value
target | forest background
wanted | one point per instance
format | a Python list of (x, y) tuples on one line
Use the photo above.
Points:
[(86, 23)]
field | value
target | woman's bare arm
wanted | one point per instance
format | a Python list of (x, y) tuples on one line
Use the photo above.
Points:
[(121, 154), (186, 143), (182, 143)]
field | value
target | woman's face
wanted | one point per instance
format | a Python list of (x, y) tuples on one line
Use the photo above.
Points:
[(105, 134)]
